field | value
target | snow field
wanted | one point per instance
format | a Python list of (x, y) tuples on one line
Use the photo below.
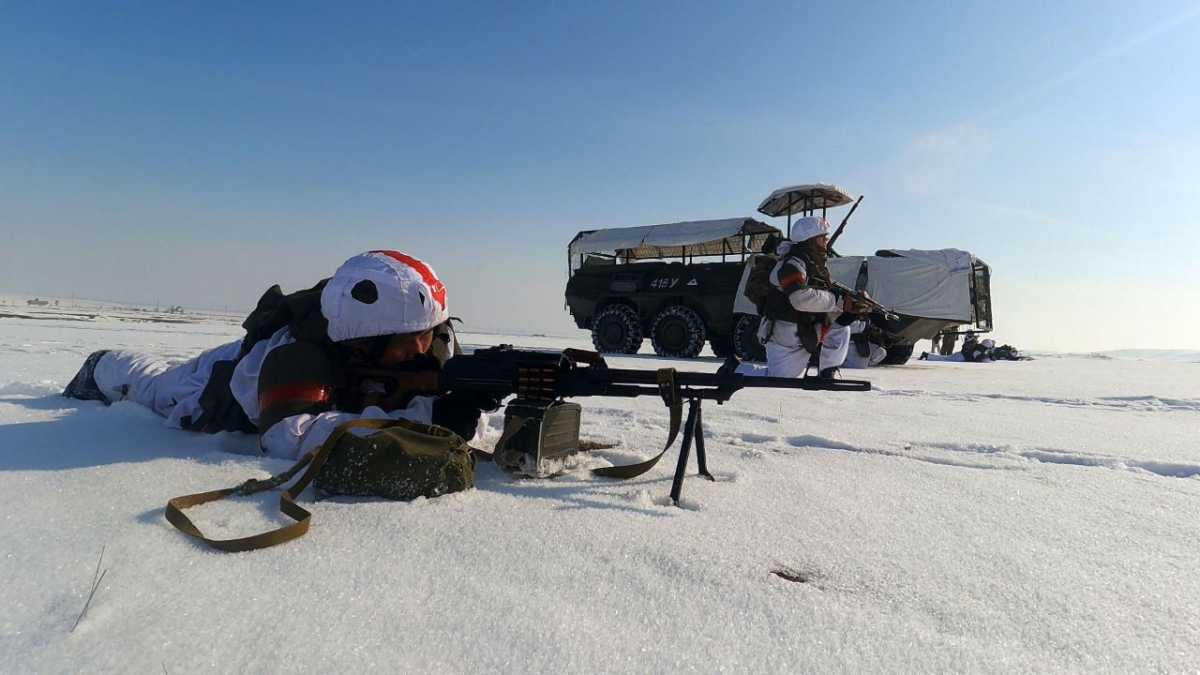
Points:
[(961, 517)]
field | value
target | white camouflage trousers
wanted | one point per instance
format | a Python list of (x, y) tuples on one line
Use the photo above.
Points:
[(786, 357), (854, 359), (171, 390)]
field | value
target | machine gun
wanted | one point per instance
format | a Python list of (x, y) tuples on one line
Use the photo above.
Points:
[(543, 379)]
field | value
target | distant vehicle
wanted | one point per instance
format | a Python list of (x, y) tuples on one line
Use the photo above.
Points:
[(37, 302), (626, 284), (940, 292), (676, 300)]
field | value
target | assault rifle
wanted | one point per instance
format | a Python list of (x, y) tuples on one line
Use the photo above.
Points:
[(548, 377), (860, 297), (838, 232)]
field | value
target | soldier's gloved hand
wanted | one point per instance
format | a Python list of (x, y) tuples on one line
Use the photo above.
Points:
[(459, 411), (852, 305)]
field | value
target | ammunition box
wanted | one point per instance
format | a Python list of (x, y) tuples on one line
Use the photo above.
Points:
[(537, 433)]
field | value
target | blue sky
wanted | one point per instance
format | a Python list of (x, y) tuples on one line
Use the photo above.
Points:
[(197, 153)]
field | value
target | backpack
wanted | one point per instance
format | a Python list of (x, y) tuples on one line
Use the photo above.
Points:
[(974, 352), (758, 284), (300, 311), (1006, 353)]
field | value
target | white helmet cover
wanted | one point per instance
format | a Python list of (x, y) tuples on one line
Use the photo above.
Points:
[(808, 227), (382, 293)]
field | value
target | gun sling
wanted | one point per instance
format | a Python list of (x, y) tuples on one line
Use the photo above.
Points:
[(668, 387), (314, 460)]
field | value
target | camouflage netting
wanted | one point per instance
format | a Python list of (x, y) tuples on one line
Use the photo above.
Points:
[(803, 198)]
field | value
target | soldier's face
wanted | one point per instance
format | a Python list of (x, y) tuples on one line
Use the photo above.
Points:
[(821, 242), (405, 347)]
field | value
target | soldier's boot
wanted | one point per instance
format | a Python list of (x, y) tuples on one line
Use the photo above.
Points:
[(83, 386)]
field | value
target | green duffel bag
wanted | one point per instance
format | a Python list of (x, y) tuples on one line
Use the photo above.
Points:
[(402, 460)]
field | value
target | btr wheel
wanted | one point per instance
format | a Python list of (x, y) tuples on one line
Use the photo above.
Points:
[(745, 339), (678, 332), (897, 355), (722, 345), (616, 330)]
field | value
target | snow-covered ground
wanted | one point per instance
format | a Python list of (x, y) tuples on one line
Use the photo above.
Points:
[(1032, 516)]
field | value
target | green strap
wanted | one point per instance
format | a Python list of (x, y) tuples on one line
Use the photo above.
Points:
[(669, 389), (287, 500)]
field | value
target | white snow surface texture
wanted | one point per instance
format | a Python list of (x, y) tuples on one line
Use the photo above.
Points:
[(1031, 516)]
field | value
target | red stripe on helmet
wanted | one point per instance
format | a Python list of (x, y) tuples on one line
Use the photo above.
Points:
[(436, 288)]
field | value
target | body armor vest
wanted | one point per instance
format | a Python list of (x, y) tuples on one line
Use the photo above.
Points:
[(776, 307)]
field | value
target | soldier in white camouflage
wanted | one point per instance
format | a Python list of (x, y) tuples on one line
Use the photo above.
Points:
[(381, 308), (802, 321)]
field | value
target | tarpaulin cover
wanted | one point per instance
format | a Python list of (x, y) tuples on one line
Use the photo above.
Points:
[(929, 284), (699, 237)]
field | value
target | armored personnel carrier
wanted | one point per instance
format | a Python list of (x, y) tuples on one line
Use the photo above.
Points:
[(674, 283)]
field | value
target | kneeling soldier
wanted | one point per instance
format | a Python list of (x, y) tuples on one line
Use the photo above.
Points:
[(801, 321)]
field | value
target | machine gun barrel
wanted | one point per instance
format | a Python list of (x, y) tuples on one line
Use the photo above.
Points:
[(727, 381)]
